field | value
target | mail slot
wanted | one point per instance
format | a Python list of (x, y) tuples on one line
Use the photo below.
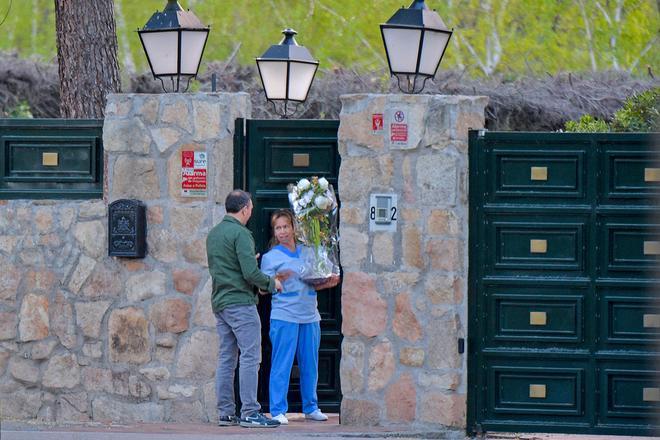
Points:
[(127, 229), (537, 391), (538, 246), (539, 173)]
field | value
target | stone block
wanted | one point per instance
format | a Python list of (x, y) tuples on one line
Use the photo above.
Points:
[(206, 120), (357, 178), (8, 243), (177, 113), (443, 333), (24, 370), (443, 222), (90, 316), (162, 244), (352, 216), (353, 247), (106, 281), (126, 136), (72, 408), (10, 277), (33, 323), (97, 379), (446, 254), (360, 299), (92, 237), (165, 137), (203, 314), (145, 285), (93, 350), (356, 121), (382, 249), (155, 374), (381, 366), (135, 178), (443, 409), (128, 336), (222, 158), (170, 315), (442, 381), (198, 356), (41, 281), (412, 357), (358, 412), (43, 220), (105, 409), (118, 104), (393, 283), (138, 388), (401, 400), (93, 209), (437, 179), (23, 404), (147, 108), (444, 289), (186, 221), (412, 247), (405, 323), (62, 371), (42, 349), (187, 412), (195, 252), (8, 323), (81, 272), (186, 280), (61, 321), (352, 365), (154, 215)]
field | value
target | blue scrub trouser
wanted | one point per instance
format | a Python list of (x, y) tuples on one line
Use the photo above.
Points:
[(290, 339)]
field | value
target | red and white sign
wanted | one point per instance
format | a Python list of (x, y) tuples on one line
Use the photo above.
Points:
[(399, 129), (193, 173), (377, 122)]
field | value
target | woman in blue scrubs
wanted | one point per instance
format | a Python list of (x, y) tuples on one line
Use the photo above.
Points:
[(295, 329)]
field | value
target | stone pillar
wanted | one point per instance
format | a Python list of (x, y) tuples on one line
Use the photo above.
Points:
[(404, 301)]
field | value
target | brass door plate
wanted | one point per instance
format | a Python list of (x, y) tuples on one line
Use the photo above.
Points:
[(49, 159), (539, 173), (652, 248), (651, 394), (537, 391), (538, 246), (651, 320), (651, 174), (538, 318), (301, 160)]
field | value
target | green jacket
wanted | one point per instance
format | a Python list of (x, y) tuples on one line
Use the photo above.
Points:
[(233, 266)]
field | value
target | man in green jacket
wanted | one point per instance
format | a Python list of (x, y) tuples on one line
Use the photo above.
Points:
[(234, 271)]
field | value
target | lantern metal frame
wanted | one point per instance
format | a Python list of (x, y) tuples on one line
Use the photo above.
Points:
[(174, 19), (287, 51), (420, 18)]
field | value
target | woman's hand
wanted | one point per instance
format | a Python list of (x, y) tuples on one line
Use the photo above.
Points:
[(332, 282)]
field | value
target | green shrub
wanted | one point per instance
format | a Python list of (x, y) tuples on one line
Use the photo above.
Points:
[(640, 112), (587, 124), (22, 110)]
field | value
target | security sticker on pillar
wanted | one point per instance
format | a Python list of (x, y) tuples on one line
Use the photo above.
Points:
[(397, 127), (193, 173), (377, 123), (383, 212)]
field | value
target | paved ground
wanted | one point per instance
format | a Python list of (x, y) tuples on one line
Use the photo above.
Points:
[(298, 429)]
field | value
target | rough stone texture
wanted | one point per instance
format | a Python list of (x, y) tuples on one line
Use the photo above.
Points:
[(401, 400), (355, 412), (198, 356), (33, 323), (203, 314), (145, 285), (126, 135), (109, 410), (162, 244), (403, 293), (135, 178), (186, 280), (23, 404), (405, 323), (170, 315), (24, 370), (81, 273), (42, 349), (62, 322), (8, 323), (90, 315), (92, 238), (62, 371), (360, 299), (128, 336), (187, 412), (381, 365)]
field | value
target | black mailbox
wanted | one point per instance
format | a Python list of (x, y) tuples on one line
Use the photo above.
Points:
[(127, 229)]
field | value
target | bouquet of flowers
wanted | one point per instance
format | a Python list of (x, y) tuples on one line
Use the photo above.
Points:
[(315, 209)]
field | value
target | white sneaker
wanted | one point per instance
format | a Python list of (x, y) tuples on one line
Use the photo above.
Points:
[(282, 419), (317, 415)]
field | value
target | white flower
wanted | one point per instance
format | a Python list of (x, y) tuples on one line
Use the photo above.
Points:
[(306, 198), (323, 183), (292, 197), (322, 202), (303, 184)]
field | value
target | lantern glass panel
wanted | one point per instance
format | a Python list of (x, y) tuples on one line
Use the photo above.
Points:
[(273, 74), (300, 80), (434, 46), (162, 48), (192, 45), (402, 48)]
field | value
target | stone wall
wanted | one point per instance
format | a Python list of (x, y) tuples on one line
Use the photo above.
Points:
[(84, 336), (404, 295)]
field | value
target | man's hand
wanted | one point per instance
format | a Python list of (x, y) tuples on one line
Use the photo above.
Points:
[(278, 285)]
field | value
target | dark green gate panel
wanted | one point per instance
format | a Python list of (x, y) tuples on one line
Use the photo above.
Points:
[(268, 155), (51, 158), (563, 283)]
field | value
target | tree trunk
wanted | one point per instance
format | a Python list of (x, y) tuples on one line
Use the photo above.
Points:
[(86, 55)]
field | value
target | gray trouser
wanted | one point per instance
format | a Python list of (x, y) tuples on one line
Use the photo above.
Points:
[(239, 328)]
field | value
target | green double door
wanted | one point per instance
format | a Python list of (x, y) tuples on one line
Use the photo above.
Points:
[(268, 155), (563, 284)]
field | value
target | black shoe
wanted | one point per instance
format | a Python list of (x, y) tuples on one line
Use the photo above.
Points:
[(258, 420), (228, 421)]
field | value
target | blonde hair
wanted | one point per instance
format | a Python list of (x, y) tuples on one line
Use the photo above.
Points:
[(276, 216)]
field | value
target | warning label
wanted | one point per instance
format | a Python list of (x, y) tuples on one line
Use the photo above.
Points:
[(399, 129), (193, 173)]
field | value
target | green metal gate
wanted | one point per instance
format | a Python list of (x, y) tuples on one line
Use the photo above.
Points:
[(563, 304), (268, 155)]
